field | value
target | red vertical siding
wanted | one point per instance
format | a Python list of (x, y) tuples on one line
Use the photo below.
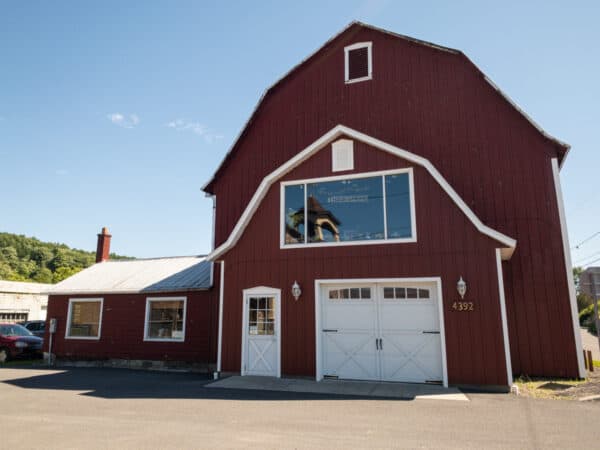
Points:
[(122, 333), (448, 246), (436, 104)]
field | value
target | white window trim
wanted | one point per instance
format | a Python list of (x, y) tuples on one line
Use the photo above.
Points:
[(369, 46), (70, 312), (147, 317), (382, 174), (254, 292), (318, 328)]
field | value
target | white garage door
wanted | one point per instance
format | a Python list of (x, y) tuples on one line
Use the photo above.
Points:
[(381, 331)]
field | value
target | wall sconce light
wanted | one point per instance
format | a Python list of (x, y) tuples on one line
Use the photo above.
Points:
[(461, 287), (296, 291)]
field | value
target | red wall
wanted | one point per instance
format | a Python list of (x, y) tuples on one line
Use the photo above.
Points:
[(448, 245), (122, 333), (436, 104)]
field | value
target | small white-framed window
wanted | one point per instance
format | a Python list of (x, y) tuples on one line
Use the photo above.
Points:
[(165, 319), (358, 62), (84, 319)]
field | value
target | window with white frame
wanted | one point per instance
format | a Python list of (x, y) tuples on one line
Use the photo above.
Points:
[(84, 319), (165, 319), (377, 207), (358, 62)]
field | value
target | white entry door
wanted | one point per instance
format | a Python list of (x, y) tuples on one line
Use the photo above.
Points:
[(381, 331), (261, 334)]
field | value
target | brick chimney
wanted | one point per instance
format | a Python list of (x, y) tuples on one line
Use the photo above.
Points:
[(103, 249)]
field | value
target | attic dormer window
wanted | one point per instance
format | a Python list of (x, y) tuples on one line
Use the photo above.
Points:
[(358, 62)]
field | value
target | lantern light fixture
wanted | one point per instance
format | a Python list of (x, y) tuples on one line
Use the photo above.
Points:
[(461, 287), (296, 291)]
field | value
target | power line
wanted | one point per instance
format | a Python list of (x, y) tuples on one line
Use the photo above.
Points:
[(591, 262), (587, 257), (585, 240)]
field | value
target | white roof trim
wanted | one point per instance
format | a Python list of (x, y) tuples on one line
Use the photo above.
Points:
[(341, 130)]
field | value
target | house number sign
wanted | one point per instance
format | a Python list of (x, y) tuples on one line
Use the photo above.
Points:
[(463, 306)]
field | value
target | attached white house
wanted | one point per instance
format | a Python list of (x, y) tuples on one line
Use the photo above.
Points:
[(21, 301)]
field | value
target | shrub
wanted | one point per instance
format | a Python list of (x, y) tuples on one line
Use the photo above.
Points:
[(586, 314)]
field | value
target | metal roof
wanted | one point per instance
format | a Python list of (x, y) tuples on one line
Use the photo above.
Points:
[(140, 275), (19, 287)]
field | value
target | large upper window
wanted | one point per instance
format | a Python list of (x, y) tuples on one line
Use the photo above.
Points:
[(84, 318), (349, 209), (165, 319)]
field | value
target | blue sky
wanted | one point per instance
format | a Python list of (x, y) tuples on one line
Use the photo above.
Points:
[(116, 113)]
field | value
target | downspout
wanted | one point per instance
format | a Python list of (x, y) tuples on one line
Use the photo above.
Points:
[(220, 338)]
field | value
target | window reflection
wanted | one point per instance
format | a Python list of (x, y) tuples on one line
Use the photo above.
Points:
[(348, 210)]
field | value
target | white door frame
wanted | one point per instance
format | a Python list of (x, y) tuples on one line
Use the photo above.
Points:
[(318, 310), (266, 292)]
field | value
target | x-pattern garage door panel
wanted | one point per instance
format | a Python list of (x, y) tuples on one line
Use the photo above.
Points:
[(411, 356), (390, 333), (350, 355)]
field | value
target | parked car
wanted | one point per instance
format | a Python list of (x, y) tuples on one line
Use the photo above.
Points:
[(17, 341), (37, 327)]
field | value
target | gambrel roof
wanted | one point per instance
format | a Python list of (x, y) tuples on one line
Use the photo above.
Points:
[(562, 147)]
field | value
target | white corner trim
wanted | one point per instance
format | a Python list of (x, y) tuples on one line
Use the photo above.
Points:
[(502, 297), (220, 338), (569, 268), (150, 300), (69, 314), (347, 50), (334, 133), (267, 291)]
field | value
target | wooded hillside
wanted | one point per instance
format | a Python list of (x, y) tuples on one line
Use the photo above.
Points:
[(25, 258)]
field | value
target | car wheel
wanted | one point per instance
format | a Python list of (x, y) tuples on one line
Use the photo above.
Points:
[(4, 355)]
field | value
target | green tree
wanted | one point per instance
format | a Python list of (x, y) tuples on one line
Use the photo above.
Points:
[(25, 258), (64, 272)]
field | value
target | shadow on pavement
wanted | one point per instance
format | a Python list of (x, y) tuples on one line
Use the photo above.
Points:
[(124, 383)]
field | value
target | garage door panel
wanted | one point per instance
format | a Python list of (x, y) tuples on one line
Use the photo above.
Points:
[(409, 356), (403, 315), (350, 355), (350, 316), (390, 333)]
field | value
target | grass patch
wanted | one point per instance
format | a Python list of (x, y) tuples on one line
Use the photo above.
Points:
[(550, 388)]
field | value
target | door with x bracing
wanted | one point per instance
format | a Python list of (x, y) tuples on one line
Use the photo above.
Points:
[(381, 331)]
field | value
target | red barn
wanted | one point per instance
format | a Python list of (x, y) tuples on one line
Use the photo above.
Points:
[(386, 214), (389, 214)]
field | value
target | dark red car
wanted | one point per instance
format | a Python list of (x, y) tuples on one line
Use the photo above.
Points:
[(16, 340)]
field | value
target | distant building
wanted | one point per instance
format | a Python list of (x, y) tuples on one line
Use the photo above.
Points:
[(589, 275), (23, 301)]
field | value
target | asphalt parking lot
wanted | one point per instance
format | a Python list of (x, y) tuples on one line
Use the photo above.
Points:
[(101, 408)]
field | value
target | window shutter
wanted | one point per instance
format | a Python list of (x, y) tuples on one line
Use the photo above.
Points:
[(358, 63), (342, 155)]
